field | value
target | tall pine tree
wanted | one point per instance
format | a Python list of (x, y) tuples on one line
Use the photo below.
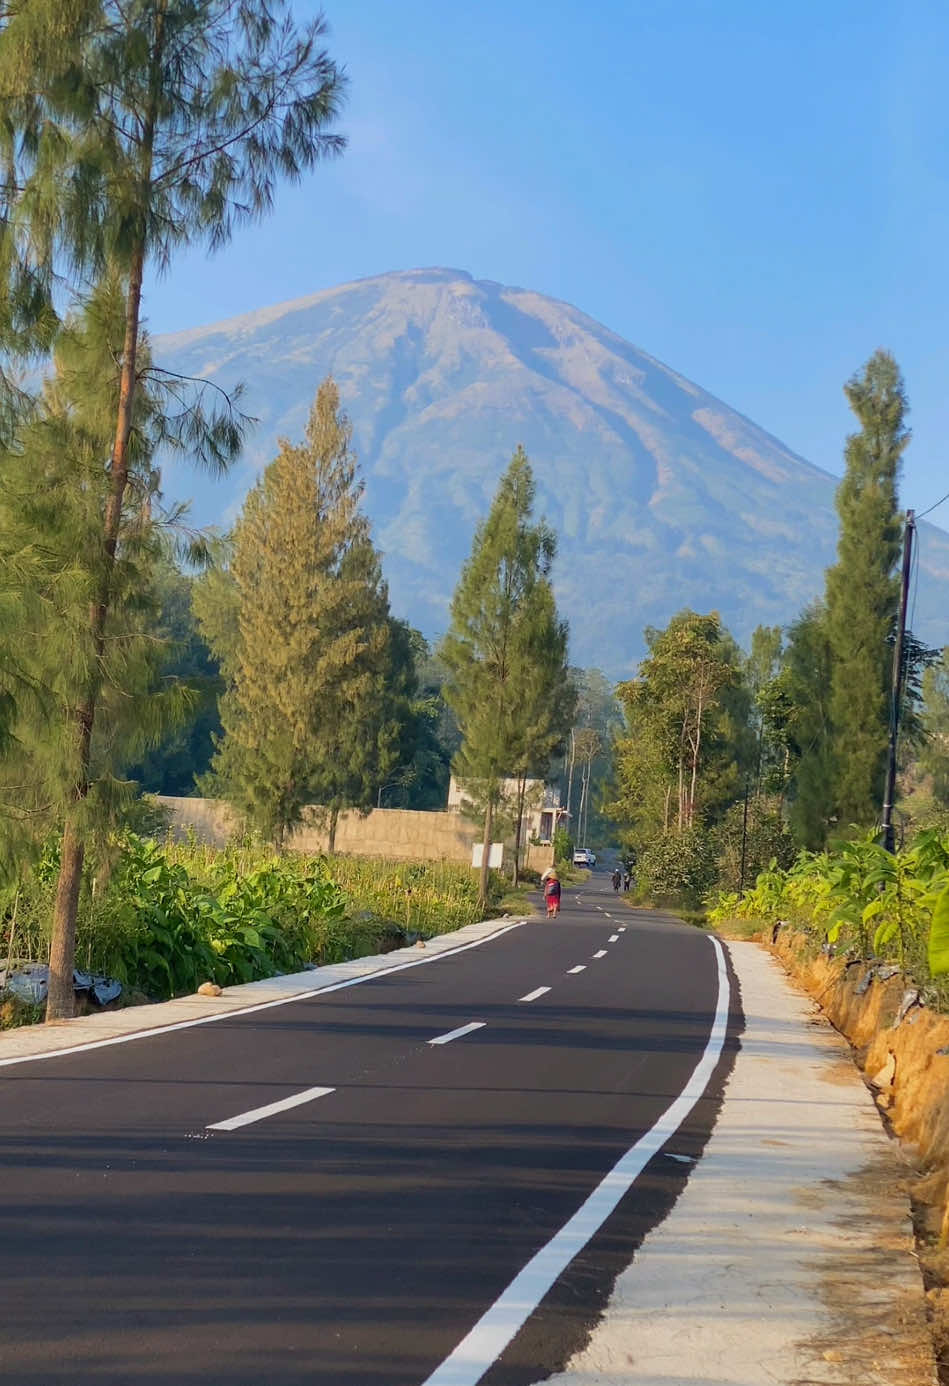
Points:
[(131, 131), (308, 714), (488, 649), (53, 492), (863, 589), (546, 699)]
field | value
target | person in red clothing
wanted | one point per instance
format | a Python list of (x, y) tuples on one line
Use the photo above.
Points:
[(552, 895)]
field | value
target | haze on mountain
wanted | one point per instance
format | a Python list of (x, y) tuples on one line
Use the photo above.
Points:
[(661, 495)]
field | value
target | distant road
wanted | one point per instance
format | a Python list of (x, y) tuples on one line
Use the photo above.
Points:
[(340, 1190)]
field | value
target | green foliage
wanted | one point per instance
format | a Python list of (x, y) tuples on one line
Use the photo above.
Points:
[(679, 761), (563, 846), (170, 917), (184, 752), (864, 901), (934, 758), (506, 646), (863, 589), (677, 868), (318, 675), (54, 491), (767, 838)]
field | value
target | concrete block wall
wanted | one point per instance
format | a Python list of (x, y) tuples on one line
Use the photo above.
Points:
[(400, 834)]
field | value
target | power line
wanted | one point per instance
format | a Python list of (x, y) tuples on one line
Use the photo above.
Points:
[(921, 513)]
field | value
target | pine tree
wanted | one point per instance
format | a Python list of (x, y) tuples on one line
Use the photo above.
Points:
[(306, 649), (546, 699), (487, 650), (863, 589), (130, 131), (53, 493), (798, 704)]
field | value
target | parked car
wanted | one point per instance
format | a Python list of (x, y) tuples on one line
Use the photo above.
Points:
[(584, 857)]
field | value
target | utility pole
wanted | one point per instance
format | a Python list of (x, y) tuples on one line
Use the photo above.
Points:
[(744, 845), (896, 694)]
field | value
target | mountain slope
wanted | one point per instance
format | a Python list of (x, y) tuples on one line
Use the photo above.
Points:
[(661, 495)]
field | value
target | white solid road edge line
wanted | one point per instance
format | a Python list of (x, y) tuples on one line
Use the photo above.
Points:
[(533, 995), (84, 1048), (497, 1326), (271, 1109), (457, 1034)]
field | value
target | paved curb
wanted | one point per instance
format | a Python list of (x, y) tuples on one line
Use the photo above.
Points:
[(789, 1256), (31, 1040)]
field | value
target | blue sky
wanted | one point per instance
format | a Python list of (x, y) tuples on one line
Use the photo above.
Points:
[(756, 193)]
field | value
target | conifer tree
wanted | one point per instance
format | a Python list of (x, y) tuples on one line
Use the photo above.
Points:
[(130, 131), (53, 492), (863, 588), (307, 715), (487, 650), (546, 699)]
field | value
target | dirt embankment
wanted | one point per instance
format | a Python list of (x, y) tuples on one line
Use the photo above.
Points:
[(903, 1050)]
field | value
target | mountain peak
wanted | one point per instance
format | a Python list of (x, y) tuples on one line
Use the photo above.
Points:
[(662, 496)]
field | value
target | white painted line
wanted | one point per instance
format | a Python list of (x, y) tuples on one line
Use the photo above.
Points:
[(607, 913), (271, 1109), (600, 954), (613, 938), (581, 968), (622, 928), (260, 1005), (533, 995), (456, 1034), (498, 1325)]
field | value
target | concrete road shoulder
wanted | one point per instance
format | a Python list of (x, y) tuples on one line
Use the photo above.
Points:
[(789, 1256)]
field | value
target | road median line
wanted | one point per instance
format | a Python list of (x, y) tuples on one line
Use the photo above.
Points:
[(457, 1034), (271, 1109)]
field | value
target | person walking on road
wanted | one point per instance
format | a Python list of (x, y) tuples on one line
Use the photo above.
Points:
[(616, 878), (552, 895)]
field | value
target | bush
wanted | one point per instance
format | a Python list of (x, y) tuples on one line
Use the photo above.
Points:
[(863, 901), (767, 839), (563, 846), (677, 868)]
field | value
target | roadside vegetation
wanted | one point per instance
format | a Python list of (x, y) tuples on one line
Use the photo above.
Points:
[(169, 916), (862, 902)]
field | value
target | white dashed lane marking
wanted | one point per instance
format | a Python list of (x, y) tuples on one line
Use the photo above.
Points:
[(456, 1034), (271, 1109), (581, 967), (533, 995)]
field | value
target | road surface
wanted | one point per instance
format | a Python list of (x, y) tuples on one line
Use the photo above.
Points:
[(340, 1190)]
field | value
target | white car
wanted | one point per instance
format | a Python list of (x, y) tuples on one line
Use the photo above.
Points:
[(584, 857)]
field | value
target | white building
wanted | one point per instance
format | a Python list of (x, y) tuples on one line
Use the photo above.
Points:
[(543, 809)]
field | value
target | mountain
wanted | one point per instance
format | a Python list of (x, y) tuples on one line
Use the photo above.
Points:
[(661, 495)]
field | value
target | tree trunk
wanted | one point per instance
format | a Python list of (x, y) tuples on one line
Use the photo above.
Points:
[(331, 835), (573, 761), (681, 787), (695, 758), (665, 808), (61, 1000), (521, 790), (485, 854)]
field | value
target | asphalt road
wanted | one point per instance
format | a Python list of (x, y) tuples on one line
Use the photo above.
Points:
[(357, 1237)]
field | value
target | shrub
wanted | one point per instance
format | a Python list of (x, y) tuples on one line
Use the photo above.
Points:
[(677, 868)]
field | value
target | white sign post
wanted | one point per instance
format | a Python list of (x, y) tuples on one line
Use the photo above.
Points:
[(495, 855)]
